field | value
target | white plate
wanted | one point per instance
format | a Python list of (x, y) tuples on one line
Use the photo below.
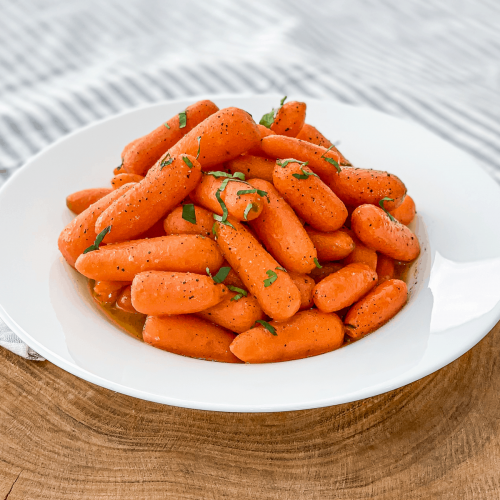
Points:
[(455, 285)]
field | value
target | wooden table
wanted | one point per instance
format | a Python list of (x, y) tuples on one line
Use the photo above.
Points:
[(64, 438)]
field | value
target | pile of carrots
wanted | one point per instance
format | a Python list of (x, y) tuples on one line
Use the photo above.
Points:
[(244, 242)]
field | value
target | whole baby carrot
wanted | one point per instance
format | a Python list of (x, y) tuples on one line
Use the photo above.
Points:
[(158, 292), (262, 276), (189, 336), (331, 246), (176, 253), (256, 150), (189, 219), (361, 253), (238, 198), (354, 186), (405, 213), (165, 186), (376, 308), (121, 179), (108, 291), (282, 233), (385, 268), (311, 134), (236, 312), (289, 119), (81, 200), (124, 301), (309, 196), (253, 167), (343, 288), (305, 284), (80, 233), (220, 138), (141, 154), (307, 334), (378, 231)]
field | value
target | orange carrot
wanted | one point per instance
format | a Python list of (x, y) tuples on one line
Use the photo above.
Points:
[(235, 315), (354, 186), (405, 213), (305, 284), (180, 221), (189, 336), (224, 136), (309, 196), (311, 134), (282, 233), (257, 149), (159, 292), (108, 291), (261, 274), (289, 119), (165, 186), (343, 288), (376, 308), (124, 301), (320, 273), (377, 231), (141, 154), (81, 200), (385, 268), (242, 206), (361, 253), (307, 334), (79, 234), (254, 167), (121, 179), (176, 253), (331, 246), (232, 278)]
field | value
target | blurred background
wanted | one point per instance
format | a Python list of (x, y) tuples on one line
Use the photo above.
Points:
[(65, 64)]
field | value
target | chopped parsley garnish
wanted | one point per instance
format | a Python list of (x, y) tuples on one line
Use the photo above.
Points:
[(246, 191), (331, 161), (98, 240), (182, 119), (268, 119), (318, 265), (381, 203), (272, 278), (283, 101), (187, 161), (279, 268), (167, 125), (199, 145), (267, 326), (221, 274), (188, 213), (240, 292), (166, 162), (247, 210), (304, 174), (290, 160)]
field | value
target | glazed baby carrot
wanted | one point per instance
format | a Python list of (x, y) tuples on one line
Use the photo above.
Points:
[(282, 233), (81, 200), (354, 186), (121, 179), (262, 276), (289, 119), (79, 234), (124, 301), (141, 154), (405, 213), (264, 132), (311, 134), (385, 268), (320, 273), (305, 284), (159, 292), (376, 308), (376, 230), (189, 336), (235, 312), (108, 291), (361, 253), (343, 288), (254, 167), (176, 253), (239, 198), (331, 246), (165, 186), (309, 196), (307, 334), (221, 137), (189, 219)]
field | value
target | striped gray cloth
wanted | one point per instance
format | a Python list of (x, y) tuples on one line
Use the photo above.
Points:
[(66, 64)]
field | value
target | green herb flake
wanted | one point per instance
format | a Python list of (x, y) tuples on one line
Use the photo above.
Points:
[(267, 326), (268, 119), (304, 174), (199, 146), (98, 240), (246, 191), (187, 161), (167, 125), (221, 274), (284, 163), (182, 119), (331, 161), (208, 272), (318, 265), (220, 219), (247, 210), (239, 175), (272, 278), (279, 268), (283, 101), (166, 162), (188, 213), (225, 213), (381, 203), (240, 292), (218, 174)]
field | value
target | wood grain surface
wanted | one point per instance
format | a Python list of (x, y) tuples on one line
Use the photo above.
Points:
[(64, 438)]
